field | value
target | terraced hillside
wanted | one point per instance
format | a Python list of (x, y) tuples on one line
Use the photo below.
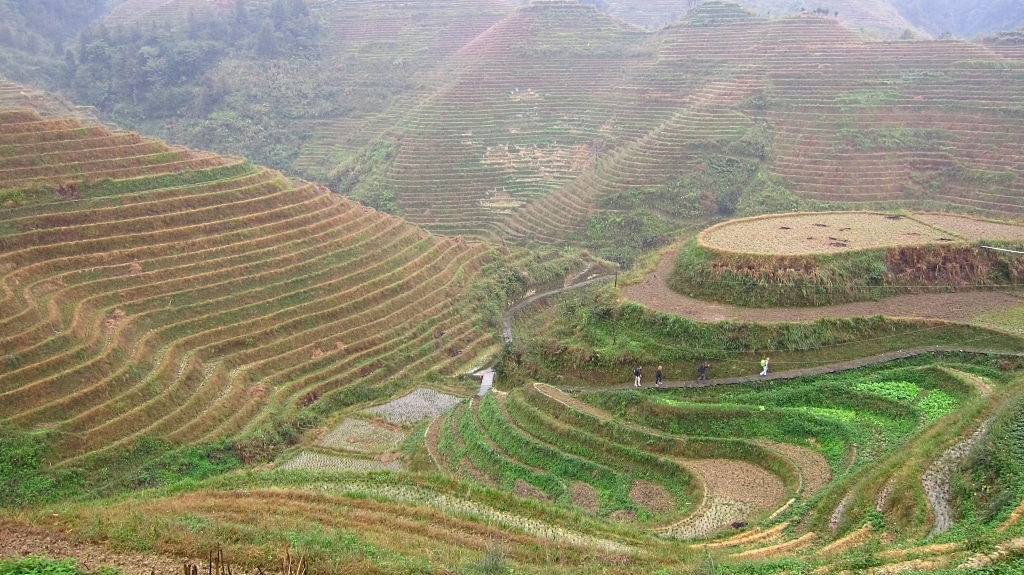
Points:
[(559, 110), (824, 475), (156, 291)]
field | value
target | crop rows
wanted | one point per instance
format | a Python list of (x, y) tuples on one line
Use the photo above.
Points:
[(316, 461), (199, 304), (421, 403), (519, 446)]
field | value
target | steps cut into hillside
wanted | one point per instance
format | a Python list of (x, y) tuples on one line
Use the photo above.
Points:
[(153, 290)]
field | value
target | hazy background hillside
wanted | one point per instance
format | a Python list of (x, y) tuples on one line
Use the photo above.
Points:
[(962, 19), (170, 315), (34, 34), (881, 18)]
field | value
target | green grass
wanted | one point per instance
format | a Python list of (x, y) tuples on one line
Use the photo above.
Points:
[(33, 565), (27, 479), (816, 279), (613, 487)]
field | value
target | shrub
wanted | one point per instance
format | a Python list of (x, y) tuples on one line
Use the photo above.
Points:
[(32, 565)]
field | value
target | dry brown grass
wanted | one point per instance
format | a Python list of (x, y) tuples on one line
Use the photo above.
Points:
[(779, 549), (972, 229), (813, 233)]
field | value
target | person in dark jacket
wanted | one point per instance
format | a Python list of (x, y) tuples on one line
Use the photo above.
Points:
[(702, 371)]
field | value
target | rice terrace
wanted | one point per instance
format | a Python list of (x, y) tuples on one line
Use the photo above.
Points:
[(314, 287)]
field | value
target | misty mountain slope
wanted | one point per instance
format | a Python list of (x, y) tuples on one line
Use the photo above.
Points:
[(873, 17), (963, 19), (884, 19), (294, 85), (559, 121)]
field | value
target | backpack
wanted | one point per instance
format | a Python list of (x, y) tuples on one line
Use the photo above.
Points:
[(636, 372)]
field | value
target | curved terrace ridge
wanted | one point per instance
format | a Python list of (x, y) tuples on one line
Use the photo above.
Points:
[(961, 307)]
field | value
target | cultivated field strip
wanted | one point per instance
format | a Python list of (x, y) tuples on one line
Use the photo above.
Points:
[(610, 483), (197, 304), (498, 141), (430, 514), (111, 297), (511, 444), (421, 403)]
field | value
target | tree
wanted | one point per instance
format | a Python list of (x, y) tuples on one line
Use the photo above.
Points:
[(266, 42)]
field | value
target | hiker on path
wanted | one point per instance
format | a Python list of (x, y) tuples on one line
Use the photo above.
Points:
[(702, 371), (637, 374), (764, 365), (657, 377)]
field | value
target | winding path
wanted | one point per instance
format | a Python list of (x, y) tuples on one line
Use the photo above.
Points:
[(654, 293)]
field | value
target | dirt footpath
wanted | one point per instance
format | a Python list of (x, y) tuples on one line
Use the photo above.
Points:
[(17, 541), (959, 307)]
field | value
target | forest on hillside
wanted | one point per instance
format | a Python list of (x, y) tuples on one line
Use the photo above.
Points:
[(34, 34)]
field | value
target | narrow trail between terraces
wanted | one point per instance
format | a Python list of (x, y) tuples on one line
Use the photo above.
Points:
[(652, 292)]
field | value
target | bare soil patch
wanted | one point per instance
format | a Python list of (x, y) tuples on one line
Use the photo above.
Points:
[(22, 540), (652, 497), (739, 481), (623, 516), (524, 489), (813, 466), (584, 495)]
